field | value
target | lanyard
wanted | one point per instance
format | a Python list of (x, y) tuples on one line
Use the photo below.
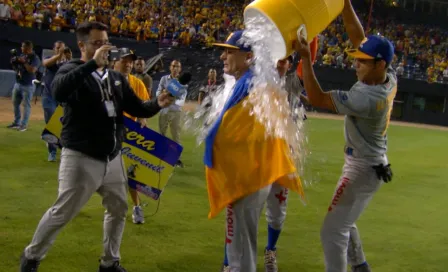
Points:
[(104, 86)]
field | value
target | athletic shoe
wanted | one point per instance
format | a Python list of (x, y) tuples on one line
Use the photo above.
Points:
[(225, 268), (13, 126), (270, 260), (116, 267), (27, 265), (137, 215), (52, 157), (361, 268), (180, 164), (22, 128)]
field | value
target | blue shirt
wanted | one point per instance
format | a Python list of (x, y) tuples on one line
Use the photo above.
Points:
[(27, 78), (50, 72)]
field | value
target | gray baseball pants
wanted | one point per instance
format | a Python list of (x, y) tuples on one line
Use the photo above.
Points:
[(276, 205), (339, 235), (242, 219), (80, 176)]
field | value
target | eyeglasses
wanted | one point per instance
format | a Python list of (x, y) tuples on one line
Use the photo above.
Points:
[(99, 43)]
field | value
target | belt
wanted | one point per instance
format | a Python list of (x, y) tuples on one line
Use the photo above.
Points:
[(349, 151), (352, 152)]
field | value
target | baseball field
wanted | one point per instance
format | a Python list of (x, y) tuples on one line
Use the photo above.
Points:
[(404, 229)]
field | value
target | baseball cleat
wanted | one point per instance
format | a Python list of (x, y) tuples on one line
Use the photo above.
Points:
[(270, 260), (27, 265), (116, 267), (361, 268), (225, 268)]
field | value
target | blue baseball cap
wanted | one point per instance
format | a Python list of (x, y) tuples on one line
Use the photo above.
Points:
[(233, 42), (374, 47)]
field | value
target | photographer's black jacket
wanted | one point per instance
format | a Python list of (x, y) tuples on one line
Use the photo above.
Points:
[(87, 128)]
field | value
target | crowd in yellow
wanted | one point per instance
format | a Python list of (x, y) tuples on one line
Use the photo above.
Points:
[(420, 51), (181, 21)]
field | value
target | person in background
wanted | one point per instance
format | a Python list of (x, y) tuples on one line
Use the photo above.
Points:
[(68, 53), (25, 66), (124, 66), (172, 115), (139, 67), (210, 86), (49, 104), (5, 11)]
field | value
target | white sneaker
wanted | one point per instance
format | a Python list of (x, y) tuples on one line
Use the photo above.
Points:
[(137, 215), (225, 268)]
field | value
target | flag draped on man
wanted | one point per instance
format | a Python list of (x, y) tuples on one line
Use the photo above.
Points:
[(239, 159)]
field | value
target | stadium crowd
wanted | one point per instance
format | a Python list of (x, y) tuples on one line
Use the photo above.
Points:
[(421, 51)]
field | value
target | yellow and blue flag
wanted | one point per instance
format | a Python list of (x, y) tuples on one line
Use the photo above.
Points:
[(239, 159)]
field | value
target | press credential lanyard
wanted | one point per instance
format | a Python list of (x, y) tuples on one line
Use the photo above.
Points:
[(106, 92)]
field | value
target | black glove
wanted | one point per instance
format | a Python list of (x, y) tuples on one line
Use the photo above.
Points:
[(383, 172)]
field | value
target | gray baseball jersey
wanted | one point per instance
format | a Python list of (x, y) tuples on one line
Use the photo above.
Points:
[(367, 111)]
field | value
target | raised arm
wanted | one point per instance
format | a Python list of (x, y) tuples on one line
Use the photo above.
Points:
[(352, 24), (316, 96)]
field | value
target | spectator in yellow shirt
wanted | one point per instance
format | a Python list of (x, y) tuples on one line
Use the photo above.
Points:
[(92, 17), (29, 19), (133, 25), (114, 24), (124, 27), (124, 66)]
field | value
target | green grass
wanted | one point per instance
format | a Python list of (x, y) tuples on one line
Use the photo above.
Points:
[(403, 229)]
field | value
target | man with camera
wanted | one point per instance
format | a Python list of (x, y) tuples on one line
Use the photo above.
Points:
[(94, 99), (61, 55), (25, 66)]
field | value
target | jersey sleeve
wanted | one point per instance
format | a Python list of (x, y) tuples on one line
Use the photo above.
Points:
[(354, 102), (392, 73)]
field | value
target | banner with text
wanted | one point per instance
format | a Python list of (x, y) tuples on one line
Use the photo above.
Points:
[(149, 157)]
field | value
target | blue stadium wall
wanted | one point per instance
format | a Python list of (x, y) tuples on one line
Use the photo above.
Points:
[(416, 101)]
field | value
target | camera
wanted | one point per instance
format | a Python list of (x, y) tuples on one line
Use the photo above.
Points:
[(14, 56), (114, 55)]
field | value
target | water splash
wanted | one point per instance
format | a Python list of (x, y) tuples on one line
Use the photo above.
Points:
[(200, 121), (268, 101), (269, 98)]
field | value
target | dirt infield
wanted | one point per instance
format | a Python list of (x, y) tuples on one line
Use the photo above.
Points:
[(7, 114), (7, 111)]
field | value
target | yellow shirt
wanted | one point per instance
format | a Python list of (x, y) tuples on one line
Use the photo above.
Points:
[(245, 161), (124, 25), (114, 24), (133, 25), (139, 89), (29, 20)]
